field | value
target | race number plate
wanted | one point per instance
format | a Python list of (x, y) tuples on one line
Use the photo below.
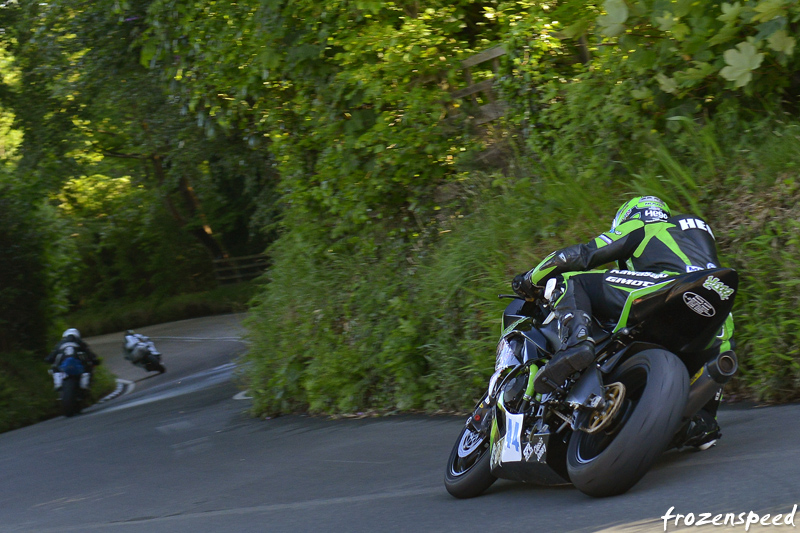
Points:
[(512, 451)]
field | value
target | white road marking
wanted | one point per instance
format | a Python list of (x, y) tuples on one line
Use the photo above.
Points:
[(193, 383), (123, 387), (242, 396)]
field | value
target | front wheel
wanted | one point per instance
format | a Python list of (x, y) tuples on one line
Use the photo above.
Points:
[(611, 461), (468, 471)]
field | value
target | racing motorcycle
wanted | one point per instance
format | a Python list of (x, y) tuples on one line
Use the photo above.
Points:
[(605, 426), (72, 379), (140, 350)]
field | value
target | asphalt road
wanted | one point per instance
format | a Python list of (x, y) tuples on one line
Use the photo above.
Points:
[(186, 346), (183, 455)]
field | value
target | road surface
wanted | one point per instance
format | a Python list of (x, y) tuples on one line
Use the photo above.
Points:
[(183, 453)]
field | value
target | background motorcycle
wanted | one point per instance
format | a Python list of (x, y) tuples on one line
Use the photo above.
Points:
[(145, 356), (607, 425)]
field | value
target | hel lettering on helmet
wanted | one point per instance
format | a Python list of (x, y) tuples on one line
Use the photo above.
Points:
[(644, 208)]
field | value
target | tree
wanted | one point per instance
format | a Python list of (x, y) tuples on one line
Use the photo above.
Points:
[(90, 111)]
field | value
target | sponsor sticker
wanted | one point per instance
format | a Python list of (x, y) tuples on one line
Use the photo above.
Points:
[(528, 451), (497, 451), (656, 213), (629, 282), (632, 273), (698, 304), (714, 284), (695, 223), (539, 449)]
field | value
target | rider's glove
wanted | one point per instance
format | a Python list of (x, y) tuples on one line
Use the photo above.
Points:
[(523, 287)]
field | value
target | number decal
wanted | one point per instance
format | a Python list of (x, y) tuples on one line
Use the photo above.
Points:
[(511, 449), (514, 440)]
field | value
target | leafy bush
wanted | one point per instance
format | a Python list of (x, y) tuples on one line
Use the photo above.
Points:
[(26, 390), (136, 313), (610, 101), (25, 291)]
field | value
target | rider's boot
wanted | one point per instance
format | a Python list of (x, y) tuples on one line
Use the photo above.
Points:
[(576, 355), (702, 431)]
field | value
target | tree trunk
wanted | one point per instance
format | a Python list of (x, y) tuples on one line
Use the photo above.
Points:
[(192, 206)]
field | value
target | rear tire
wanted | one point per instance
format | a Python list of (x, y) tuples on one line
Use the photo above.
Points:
[(70, 404), (468, 471), (613, 460)]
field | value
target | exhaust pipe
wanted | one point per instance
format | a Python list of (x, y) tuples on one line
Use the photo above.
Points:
[(708, 382)]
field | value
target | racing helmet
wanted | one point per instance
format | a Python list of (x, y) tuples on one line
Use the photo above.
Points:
[(644, 208), (71, 332)]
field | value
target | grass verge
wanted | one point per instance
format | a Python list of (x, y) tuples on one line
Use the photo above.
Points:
[(26, 390), (118, 316)]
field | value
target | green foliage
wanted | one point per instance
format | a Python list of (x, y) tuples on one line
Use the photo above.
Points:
[(331, 126), (26, 390), (25, 289), (138, 312), (629, 98), (759, 229), (144, 196), (348, 97), (123, 246)]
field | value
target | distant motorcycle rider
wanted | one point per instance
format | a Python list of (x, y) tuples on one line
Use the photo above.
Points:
[(650, 246), (71, 343), (137, 346)]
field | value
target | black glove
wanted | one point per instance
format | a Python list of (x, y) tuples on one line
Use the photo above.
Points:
[(523, 287)]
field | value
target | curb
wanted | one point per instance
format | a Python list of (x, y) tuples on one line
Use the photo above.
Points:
[(123, 387)]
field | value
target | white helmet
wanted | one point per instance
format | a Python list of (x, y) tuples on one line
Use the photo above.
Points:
[(73, 332)]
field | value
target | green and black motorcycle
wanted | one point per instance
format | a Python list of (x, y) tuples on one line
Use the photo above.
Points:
[(604, 427)]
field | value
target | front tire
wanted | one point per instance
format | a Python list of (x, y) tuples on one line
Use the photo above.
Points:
[(613, 460), (468, 471)]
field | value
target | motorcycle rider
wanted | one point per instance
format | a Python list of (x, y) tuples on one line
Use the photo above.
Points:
[(136, 347), (650, 246), (71, 341)]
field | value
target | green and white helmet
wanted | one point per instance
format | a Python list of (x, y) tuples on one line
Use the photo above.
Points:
[(644, 208)]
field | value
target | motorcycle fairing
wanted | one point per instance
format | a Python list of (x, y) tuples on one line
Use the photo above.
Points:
[(683, 314), (516, 310), (515, 457)]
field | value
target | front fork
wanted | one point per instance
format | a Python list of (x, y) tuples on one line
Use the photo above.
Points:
[(59, 377), (481, 418)]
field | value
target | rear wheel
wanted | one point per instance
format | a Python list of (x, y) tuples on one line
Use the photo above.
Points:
[(468, 469), (70, 390), (614, 459)]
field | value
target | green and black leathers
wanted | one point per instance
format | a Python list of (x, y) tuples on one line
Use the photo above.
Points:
[(646, 253), (678, 245)]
